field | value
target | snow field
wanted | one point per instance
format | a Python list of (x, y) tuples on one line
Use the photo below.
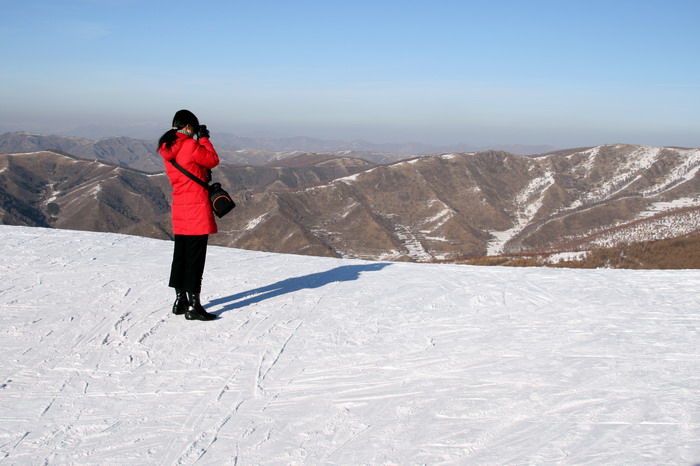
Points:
[(327, 361)]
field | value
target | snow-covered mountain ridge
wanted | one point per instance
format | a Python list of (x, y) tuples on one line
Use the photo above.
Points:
[(326, 361)]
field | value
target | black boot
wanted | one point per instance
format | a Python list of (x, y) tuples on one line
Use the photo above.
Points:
[(181, 304), (196, 311)]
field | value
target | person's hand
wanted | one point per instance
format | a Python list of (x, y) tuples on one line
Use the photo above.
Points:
[(202, 132)]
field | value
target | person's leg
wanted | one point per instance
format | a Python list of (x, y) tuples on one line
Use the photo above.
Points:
[(196, 258), (177, 275), (179, 264)]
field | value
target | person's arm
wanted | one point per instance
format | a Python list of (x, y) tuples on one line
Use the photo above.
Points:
[(204, 154)]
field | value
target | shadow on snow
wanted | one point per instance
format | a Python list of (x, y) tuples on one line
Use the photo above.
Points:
[(344, 273)]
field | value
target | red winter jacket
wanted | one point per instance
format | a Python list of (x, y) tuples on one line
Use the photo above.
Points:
[(192, 214)]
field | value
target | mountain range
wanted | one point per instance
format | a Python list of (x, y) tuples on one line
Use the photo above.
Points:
[(489, 203), (141, 153), (50, 189), (427, 208)]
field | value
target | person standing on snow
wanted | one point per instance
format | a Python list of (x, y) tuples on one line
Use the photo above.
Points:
[(192, 217)]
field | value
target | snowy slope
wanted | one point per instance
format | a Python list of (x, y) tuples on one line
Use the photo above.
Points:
[(327, 361)]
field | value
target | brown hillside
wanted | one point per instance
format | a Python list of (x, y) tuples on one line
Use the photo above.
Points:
[(676, 253)]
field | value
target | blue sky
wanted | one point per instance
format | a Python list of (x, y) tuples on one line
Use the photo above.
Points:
[(501, 72)]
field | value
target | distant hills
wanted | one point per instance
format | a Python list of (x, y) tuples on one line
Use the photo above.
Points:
[(47, 189), (123, 151), (441, 207), (50, 189), (140, 153), (306, 144)]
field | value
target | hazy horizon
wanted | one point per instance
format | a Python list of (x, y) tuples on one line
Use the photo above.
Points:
[(146, 132), (512, 73)]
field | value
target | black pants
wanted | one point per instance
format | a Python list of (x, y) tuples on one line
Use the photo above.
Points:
[(188, 262)]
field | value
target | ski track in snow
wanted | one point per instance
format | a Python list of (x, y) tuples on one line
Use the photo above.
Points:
[(327, 361)]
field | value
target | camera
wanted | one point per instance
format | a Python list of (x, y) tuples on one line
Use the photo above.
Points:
[(202, 131)]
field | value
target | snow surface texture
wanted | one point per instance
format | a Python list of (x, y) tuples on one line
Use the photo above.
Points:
[(328, 361)]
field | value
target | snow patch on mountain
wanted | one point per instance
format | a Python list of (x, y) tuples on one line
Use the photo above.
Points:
[(627, 171), (255, 222), (683, 172), (412, 243), (528, 203), (53, 196), (591, 154), (440, 218), (499, 239), (659, 207), (566, 257), (441, 239), (663, 227), (350, 178)]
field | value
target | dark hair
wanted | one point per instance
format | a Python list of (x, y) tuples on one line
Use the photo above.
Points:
[(181, 119)]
